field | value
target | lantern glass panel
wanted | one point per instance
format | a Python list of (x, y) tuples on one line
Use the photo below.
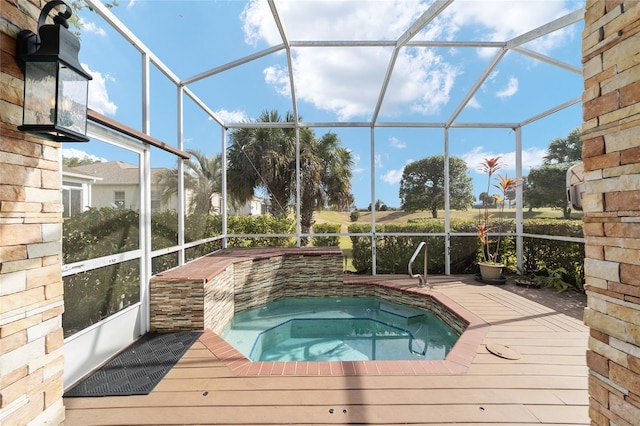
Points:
[(72, 100), (39, 93)]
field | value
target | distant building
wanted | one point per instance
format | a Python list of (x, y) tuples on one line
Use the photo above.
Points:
[(116, 184), (76, 191)]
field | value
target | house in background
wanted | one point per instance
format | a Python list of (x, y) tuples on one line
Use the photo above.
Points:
[(116, 184), (76, 191), (255, 207)]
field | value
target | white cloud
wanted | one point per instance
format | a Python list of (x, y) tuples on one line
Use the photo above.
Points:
[(531, 158), (502, 20), (98, 95), (377, 159), (397, 143), (510, 90), (279, 78), (356, 169), (334, 20), (473, 103), (91, 27), (346, 81), (78, 153), (393, 176), (131, 4), (231, 116)]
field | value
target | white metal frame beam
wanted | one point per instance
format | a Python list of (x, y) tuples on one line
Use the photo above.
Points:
[(404, 41)]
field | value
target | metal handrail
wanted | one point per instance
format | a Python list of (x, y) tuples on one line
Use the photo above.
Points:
[(422, 279), (411, 350)]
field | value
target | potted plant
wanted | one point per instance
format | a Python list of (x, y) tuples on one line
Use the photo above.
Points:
[(490, 228)]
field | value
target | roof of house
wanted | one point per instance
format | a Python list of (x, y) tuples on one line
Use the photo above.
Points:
[(112, 172)]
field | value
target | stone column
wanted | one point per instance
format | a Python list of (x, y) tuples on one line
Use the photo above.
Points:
[(31, 290), (611, 155)]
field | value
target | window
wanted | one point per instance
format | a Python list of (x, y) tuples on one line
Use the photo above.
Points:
[(118, 199), (72, 201), (155, 201)]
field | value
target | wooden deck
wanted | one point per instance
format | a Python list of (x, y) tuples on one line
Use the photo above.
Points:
[(547, 385)]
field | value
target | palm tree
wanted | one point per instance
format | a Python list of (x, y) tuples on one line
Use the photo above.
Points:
[(202, 178), (265, 158), (564, 150), (325, 169)]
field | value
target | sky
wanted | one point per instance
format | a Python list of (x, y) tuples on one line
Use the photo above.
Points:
[(341, 84)]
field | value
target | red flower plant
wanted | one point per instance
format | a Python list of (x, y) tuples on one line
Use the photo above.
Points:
[(491, 248)]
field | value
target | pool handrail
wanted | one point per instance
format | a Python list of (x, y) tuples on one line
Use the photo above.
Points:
[(422, 279)]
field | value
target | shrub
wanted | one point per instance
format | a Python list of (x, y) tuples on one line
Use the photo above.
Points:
[(327, 241), (93, 295), (354, 216), (394, 252), (544, 256), (264, 224)]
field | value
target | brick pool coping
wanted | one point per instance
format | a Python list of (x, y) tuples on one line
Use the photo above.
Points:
[(457, 361)]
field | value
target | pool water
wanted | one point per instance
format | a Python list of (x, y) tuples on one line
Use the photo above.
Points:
[(339, 329)]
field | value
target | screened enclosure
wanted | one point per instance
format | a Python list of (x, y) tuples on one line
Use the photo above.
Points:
[(195, 105)]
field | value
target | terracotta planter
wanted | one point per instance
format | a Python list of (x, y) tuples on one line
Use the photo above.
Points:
[(491, 271)]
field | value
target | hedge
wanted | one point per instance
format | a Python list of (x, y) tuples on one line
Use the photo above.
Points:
[(327, 241), (93, 295), (539, 256), (394, 252)]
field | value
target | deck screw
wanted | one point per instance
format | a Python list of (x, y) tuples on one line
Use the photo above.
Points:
[(205, 393), (330, 410), (344, 411)]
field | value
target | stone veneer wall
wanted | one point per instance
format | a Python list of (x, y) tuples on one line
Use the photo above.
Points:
[(177, 306), (219, 300), (611, 155), (31, 289), (181, 302), (207, 292)]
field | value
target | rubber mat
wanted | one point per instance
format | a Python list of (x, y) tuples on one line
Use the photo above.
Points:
[(139, 368)]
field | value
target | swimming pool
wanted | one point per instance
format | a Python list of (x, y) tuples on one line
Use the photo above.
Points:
[(339, 329)]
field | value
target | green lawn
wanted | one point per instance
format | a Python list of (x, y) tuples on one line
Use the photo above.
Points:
[(396, 217)]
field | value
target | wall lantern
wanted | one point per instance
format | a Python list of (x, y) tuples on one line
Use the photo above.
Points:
[(55, 84)]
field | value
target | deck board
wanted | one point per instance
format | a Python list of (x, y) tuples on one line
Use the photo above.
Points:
[(547, 385)]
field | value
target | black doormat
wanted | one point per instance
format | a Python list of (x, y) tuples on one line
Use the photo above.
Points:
[(139, 368)]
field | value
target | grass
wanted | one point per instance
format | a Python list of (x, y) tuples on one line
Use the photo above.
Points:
[(398, 216)]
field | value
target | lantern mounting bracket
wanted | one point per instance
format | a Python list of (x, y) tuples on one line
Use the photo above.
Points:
[(55, 82), (29, 42)]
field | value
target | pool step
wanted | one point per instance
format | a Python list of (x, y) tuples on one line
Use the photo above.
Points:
[(401, 312)]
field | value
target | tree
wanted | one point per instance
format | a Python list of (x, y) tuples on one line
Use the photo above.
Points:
[(422, 185), (75, 161), (202, 178), (564, 150), (265, 158), (380, 206), (546, 187), (325, 177), (529, 197), (486, 199)]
